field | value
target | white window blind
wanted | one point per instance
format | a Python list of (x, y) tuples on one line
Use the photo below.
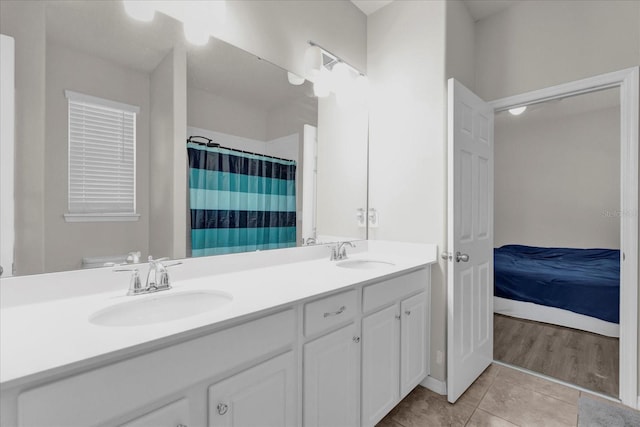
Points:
[(102, 156)]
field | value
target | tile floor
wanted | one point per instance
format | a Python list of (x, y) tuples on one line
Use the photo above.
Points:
[(501, 397)]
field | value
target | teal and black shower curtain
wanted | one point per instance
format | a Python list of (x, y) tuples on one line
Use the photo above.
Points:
[(240, 201)]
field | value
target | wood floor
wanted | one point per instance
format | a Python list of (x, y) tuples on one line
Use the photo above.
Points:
[(577, 357)]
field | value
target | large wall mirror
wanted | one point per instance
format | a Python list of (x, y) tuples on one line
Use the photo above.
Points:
[(233, 98)]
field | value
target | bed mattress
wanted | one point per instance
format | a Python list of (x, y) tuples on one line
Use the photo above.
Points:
[(584, 281)]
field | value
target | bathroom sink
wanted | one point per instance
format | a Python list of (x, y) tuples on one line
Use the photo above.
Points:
[(150, 309), (364, 264)]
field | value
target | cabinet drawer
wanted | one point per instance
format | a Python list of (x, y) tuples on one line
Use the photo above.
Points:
[(324, 313), (391, 290)]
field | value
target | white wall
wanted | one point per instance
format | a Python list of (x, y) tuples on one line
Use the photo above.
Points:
[(536, 44), (291, 118), (206, 110), (25, 22), (69, 69), (406, 67), (229, 141), (556, 180), (341, 169), (460, 48), (168, 158)]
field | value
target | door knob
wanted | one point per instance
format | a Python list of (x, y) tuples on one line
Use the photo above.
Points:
[(222, 408), (462, 257)]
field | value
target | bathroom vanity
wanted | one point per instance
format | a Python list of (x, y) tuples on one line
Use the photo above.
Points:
[(308, 341)]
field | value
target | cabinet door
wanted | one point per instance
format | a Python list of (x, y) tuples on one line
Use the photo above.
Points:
[(380, 364), (414, 341), (262, 396), (331, 379), (172, 415)]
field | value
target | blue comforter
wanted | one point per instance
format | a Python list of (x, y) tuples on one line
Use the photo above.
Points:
[(585, 281)]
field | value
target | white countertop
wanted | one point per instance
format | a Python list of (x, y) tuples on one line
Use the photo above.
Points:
[(55, 337)]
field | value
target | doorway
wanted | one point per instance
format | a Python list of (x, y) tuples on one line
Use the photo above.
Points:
[(557, 239), (627, 82)]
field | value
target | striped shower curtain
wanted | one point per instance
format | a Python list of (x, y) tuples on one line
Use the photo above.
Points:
[(239, 201)]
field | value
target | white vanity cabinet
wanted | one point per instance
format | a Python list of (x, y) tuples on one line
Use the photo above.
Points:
[(134, 391), (395, 344), (331, 361), (414, 342), (175, 414), (343, 359), (263, 395), (380, 363)]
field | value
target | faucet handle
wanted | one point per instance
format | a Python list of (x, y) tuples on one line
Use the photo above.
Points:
[(135, 285), (334, 254)]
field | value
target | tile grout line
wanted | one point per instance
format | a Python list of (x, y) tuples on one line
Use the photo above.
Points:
[(493, 415), (477, 405), (502, 364), (483, 396)]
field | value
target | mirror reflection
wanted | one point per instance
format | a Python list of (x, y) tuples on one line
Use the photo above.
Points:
[(245, 106)]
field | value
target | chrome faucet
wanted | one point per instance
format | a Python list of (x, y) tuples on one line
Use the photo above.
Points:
[(157, 278), (339, 251)]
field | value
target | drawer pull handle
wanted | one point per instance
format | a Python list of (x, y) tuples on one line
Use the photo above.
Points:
[(398, 316), (335, 313), (222, 408), (181, 425), (356, 340), (408, 312)]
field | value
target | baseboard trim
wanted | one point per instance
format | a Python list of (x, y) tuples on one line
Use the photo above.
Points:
[(434, 385)]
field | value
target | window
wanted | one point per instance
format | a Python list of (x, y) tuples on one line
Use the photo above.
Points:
[(102, 159)]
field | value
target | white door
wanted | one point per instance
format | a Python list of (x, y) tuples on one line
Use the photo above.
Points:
[(331, 379), (309, 174), (414, 344), (380, 364), (260, 396), (7, 114), (470, 239)]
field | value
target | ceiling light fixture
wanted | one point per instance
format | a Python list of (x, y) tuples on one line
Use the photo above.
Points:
[(198, 18), (517, 111), (322, 85), (140, 10), (196, 34), (329, 73), (295, 79)]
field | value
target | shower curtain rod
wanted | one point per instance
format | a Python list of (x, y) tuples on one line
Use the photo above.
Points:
[(210, 143)]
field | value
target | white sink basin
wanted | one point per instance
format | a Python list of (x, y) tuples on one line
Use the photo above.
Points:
[(364, 264), (158, 308)]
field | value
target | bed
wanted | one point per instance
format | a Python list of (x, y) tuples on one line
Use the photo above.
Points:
[(577, 288)]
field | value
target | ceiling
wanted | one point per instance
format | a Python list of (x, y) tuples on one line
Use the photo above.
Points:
[(370, 6), (102, 29), (479, 9)]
